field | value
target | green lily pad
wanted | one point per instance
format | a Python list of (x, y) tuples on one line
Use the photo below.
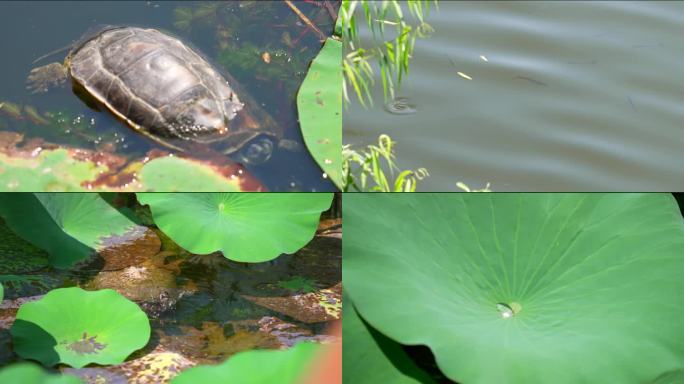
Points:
[(170, 174), (255, 367), (246, 227), (52, 170), (62, 170), (69, 226), (592, 282), (77, 328), (370, 357), (27, 373), (319, 103)]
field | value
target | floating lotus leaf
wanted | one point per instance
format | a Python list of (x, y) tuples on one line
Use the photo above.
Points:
[(171, 174), (77, 328), (62, 170), (27, 373), (523, 288), (246, 227), (255, 367), (70, 226), (319, 103), (51, 170), (370, 357)]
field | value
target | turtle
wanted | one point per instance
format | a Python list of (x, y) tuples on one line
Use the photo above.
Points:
[(164, 89)]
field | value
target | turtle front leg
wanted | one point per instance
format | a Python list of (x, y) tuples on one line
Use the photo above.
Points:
[(41, 79)]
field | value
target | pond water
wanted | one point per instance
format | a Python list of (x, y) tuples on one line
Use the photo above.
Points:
[(202, 308), (232, 35), (572, 96)]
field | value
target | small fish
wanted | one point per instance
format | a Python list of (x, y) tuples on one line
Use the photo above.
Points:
[(648, 45), (531, 80)]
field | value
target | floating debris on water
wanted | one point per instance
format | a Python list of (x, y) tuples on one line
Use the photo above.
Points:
[(484, 58), (463, 75)]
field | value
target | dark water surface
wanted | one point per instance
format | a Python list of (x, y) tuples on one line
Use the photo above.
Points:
[(578, 95), (232, 35)]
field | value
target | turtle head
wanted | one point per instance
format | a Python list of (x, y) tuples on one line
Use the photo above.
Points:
[(256, 151)]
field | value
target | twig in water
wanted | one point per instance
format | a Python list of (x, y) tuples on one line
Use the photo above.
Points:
[(305, 19), (330, 9)]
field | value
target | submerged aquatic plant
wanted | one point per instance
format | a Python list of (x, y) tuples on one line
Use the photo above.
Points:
[(77, 328), (255, 367), (366, 170), (523, 288), (244, 227)]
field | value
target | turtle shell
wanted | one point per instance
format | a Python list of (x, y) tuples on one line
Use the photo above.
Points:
[(166, 90)]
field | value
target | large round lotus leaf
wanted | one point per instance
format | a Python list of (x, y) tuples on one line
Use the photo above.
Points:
[(255, 367), (523, 288), (78, 327), (319, 103), (27, 373), (248, 227), (370, 357), (70, 226)]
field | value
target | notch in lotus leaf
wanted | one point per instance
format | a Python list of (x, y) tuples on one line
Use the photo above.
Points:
[(77, 328), (255, 367), (523, 288), (69, 226), (28, 373), (370, 357), (246, 227)]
